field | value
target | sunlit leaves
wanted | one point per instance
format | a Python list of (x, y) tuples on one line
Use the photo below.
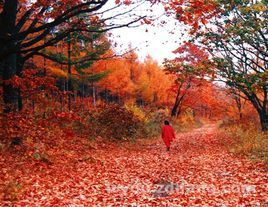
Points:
[(193, 13)]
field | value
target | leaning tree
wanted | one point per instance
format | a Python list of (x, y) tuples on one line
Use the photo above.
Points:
[(241, 57), (235, 34)]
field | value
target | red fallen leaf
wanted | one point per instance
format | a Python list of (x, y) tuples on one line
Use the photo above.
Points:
[(55, 201), (198, 201), (100, 199)]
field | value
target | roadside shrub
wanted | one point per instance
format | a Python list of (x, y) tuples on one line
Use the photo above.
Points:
[(24, 129), (155, 121), (119, 123), (187, 122), (227, 122), (247, 140), (87, 125), (12, 190), (138, 112)]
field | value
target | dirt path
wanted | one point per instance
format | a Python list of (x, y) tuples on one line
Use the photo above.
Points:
[(198, 171)]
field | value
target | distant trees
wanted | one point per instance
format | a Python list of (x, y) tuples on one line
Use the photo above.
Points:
[(130, 80), (28, 27)]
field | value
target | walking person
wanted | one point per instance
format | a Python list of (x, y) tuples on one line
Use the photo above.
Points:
[(168, 134)]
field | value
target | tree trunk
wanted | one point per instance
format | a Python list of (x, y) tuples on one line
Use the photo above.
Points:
[(19, 70), (178, 101), (8, 63), (10, 94), (179, 98), (174, 110), (176, 104), (69, 83), (264, 120), (93, 94)]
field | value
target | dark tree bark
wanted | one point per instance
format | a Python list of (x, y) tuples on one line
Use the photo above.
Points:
[(8, 65), (260, 104), (69, 83), (179, 98), (264, 120)]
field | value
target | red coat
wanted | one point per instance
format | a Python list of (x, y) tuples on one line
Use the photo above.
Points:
[(168, 134)]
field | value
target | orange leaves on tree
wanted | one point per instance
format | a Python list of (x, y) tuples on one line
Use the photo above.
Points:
[(32, 84), (148, 87), (127, 2), (130, 79), (189, 70), (94, 20), (194, 56), (193, 12)]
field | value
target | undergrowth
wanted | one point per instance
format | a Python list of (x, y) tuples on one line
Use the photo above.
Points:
[(245, 139)]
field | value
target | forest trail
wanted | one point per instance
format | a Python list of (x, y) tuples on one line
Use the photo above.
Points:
[(198, 171)]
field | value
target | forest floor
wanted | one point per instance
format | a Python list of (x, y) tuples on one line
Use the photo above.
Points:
[(198, 171)]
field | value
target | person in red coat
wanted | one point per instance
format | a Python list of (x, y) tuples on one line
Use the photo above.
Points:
[(168, 134)]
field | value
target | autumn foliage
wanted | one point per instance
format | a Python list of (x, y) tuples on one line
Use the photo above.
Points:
[(80, 123)]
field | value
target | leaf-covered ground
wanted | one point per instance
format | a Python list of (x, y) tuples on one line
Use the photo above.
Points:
[(198, 171)]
